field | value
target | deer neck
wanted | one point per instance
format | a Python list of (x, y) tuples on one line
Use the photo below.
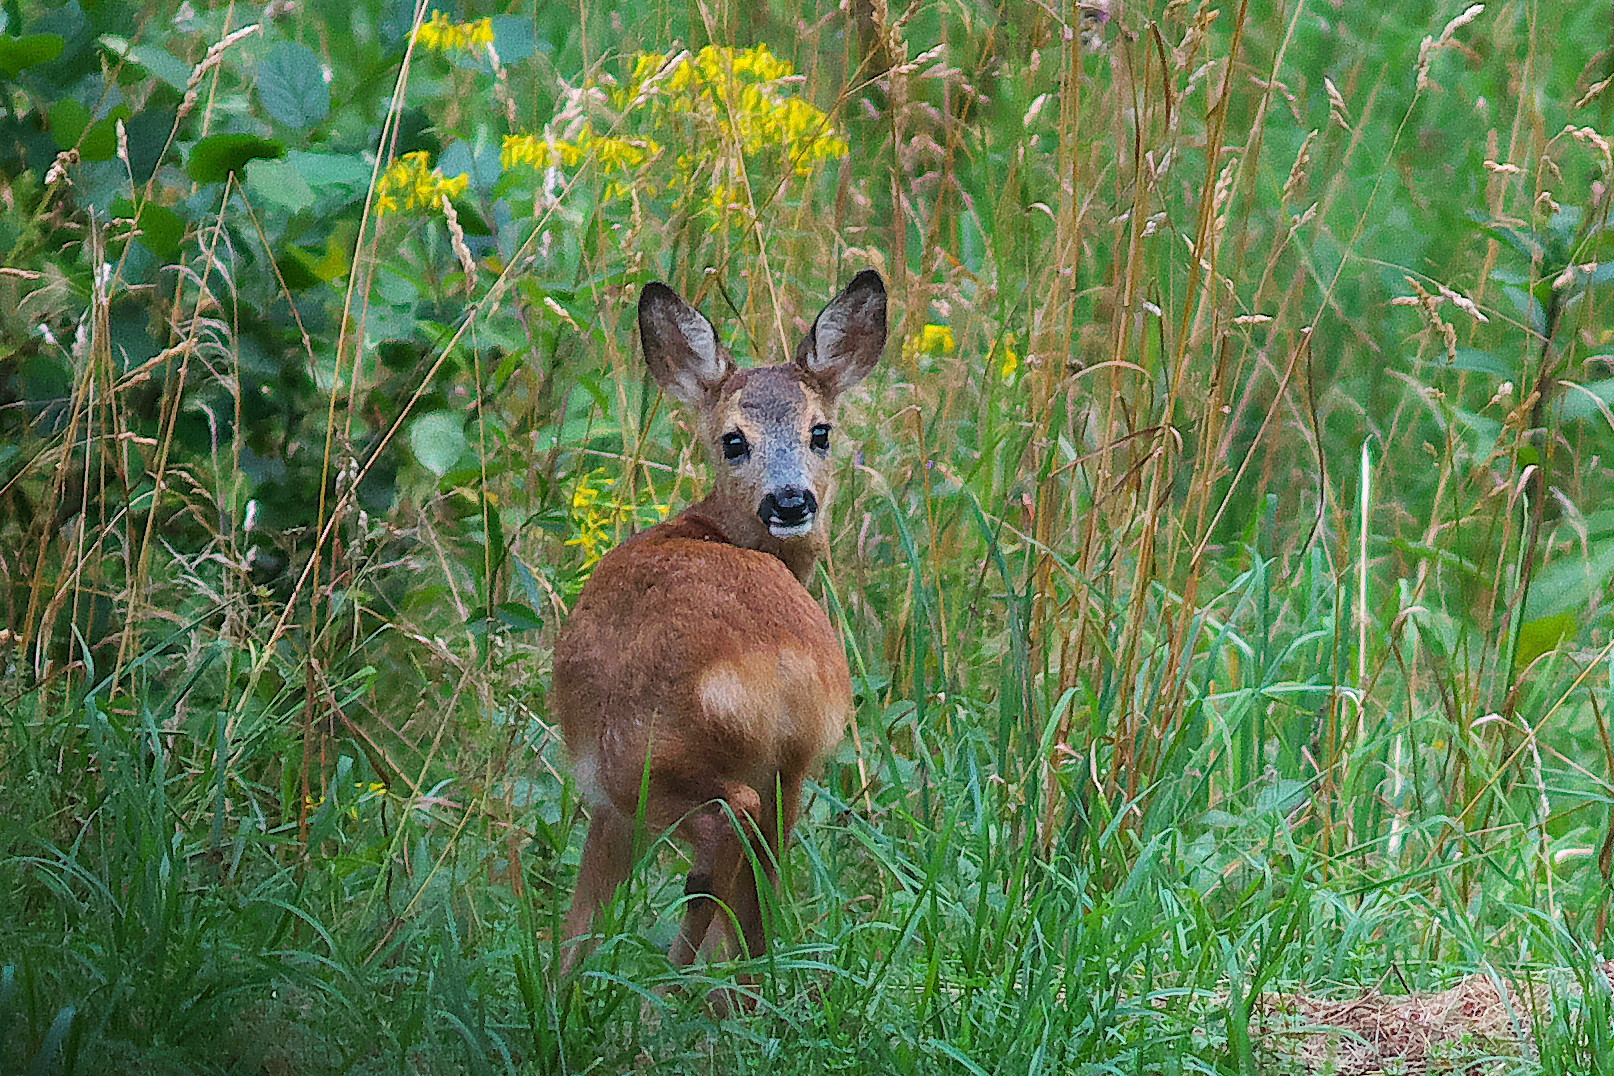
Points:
[(741, 527)]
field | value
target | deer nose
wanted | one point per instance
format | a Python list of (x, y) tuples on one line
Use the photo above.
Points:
[(788, 506)]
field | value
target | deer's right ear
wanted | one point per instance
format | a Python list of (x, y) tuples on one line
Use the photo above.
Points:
[(680, 346)]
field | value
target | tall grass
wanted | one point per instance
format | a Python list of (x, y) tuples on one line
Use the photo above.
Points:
[(1224, 588)]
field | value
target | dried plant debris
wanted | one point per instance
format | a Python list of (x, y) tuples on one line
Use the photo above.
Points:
[(1477, 1027)]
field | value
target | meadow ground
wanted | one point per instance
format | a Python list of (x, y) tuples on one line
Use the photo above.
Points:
[(1221, 549)]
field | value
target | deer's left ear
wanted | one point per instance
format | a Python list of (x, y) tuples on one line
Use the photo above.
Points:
[(848, 336)]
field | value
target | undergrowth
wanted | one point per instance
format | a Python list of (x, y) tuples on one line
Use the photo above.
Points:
[(1223, 562)]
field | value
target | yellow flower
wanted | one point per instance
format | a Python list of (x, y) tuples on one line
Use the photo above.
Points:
[(596, 517), (409, 183), (443, 34), (931, 340), (1008, 358), (523, 149), (591, 519), (760, 64), (741, 91), (725, 202), (646, 65), (617, 152), (715, 98)]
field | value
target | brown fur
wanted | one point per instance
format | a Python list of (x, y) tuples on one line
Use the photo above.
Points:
[(696, 672)]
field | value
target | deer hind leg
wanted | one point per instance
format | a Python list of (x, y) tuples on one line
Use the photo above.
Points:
[(607, 859), (780, 806), (719, 857)]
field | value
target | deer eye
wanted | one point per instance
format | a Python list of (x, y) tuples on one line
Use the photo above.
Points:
[(820, 441), (735, 447)]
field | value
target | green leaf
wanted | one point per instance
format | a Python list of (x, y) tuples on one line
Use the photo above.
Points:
[(396, 288), (291, 85), (1486, 432), (1542, 636), (519, 617), (215, 157), (279, 182), (17, 54), (513, 37), (437, 440), (343, 174), (161, 229), (68, 119), (303, 268), (70, 126), (1482, 362), (524, 576), (1569, 583), (1581, 401), (162, 63), (1283, 795)]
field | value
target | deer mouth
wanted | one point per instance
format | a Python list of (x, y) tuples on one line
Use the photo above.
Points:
[(797, 531), (789, 511)]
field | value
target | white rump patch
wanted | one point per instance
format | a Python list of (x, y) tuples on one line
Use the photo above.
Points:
[(723, 692)]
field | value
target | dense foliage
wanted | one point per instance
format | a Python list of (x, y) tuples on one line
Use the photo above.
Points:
[(1223, 559)]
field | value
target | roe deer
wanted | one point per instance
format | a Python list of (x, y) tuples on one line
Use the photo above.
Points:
[(695, 671)]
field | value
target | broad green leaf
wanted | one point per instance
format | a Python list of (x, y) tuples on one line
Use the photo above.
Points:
[(518, 616), (98, 141), (1483, 362), (1285, 794), (1581, 400), (162, 63), (303, 268), (332, 173), (1529, 306), (279, 182), (437, 440), (17, 54), (68, 119), (384, 322), (1569, 582), (155, 59), (215, 157), (1486, 431), (396, 288), (513, 38), (291, 85), (1542, 636), (161, 229)]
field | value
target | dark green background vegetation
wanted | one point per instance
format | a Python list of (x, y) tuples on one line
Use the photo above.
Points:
[(1222, 548)]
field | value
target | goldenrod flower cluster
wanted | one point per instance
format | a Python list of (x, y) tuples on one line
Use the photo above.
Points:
[(592, 520), (409, 183), (1008, 358), (445, 35), (621, 154), (930, 340), (596, 519), (722, 103), (738, 93)]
